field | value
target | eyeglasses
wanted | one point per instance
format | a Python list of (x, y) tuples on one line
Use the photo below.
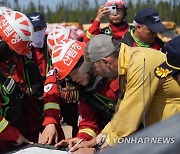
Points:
[(151, 32)]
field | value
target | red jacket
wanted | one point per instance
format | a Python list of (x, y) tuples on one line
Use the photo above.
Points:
[(29, 123), (117, 31), (52, 102), (40, 60), (7, 131), (88, 116)]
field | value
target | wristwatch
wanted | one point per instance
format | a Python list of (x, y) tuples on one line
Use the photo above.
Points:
[(101, 142)]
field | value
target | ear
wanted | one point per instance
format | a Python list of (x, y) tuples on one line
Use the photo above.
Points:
[(138, 26), (105, 62)]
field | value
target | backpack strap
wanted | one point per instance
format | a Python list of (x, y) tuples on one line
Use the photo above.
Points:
[(107, 30), (127, 39)]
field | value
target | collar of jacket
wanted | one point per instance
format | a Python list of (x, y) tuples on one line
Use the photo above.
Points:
[(124, 57)]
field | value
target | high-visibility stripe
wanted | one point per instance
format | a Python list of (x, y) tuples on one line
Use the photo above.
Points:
[(88, 131), (51, 106), (89, 35), (174, 67), (3, 124)]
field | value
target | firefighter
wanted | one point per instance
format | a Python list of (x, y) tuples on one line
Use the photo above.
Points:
[(147, 24), (51, 121), (19, 88), (143, 90), (67, 98), (39, 46), (117, 24)]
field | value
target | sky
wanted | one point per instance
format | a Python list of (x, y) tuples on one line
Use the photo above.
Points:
[(52, 3)]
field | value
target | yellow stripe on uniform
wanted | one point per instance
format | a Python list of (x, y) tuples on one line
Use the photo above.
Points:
[(51, 106), (174, 67), (3, 124), (88, 131), (89, 35)]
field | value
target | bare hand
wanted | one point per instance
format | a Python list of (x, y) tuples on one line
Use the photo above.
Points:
[(85, 144), (22, 140), (103, 11), (69, 142), (48, 134)]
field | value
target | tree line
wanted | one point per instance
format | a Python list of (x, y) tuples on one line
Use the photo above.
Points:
[(83, 12)]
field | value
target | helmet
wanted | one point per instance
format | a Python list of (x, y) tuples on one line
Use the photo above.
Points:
[(119, 3), (4, 10), (60, 33), (17, 31), (65, 56)]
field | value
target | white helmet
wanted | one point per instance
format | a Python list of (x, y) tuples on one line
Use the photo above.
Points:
[(60, 33), (17, 31), (119, 3), (4, 9)]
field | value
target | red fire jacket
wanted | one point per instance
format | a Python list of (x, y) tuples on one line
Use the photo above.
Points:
[(117, 31), (88, 116), (30, 124)]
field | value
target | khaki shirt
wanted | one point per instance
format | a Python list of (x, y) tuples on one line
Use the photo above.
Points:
[(161, 98)]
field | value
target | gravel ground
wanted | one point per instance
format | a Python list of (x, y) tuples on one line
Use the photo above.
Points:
[(67, 130)]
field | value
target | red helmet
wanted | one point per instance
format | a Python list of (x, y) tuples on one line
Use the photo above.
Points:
[(65, 55), (119, 3), (17, 31), (60, 33)]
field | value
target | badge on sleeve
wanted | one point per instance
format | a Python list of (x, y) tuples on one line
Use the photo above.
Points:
[(48, 87)]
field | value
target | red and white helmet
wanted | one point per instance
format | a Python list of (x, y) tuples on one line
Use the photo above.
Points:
[(17, 31), (65, 55), (4, 9), (119, 3), (60, 33)]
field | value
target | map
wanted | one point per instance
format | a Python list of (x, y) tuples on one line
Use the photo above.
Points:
[(37, 150)]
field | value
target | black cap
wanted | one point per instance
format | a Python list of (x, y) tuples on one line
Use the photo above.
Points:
[(150, 17), (37, 19), (172, 64)]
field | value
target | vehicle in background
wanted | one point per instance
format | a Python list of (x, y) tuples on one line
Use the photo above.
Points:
[(170, 31)]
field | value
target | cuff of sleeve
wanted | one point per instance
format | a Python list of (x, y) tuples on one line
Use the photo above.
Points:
[(10, 134), (49, 120), (84, 136)]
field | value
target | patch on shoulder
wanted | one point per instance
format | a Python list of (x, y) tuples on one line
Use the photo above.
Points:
[(48, 87), (161, 72), (50, 73)]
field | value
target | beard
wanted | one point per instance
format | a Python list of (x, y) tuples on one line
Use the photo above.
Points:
[(108, 74)]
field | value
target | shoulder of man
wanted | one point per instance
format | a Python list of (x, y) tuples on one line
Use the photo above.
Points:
[(127, 39)]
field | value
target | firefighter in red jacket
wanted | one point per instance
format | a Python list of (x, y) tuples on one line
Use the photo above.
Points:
[(39, 46), (58, 91), (51, 113), (65, 55), (116, 11), (17, 97)]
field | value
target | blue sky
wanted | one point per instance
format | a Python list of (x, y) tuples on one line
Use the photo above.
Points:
[(52, 3)]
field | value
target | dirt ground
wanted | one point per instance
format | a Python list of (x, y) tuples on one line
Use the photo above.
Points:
[(67, 130)]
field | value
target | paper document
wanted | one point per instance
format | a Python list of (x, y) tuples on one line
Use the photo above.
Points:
[(37, 150)]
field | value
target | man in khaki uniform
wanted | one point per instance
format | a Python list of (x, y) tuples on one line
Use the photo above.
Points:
[(147, 98), (172, 65)]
